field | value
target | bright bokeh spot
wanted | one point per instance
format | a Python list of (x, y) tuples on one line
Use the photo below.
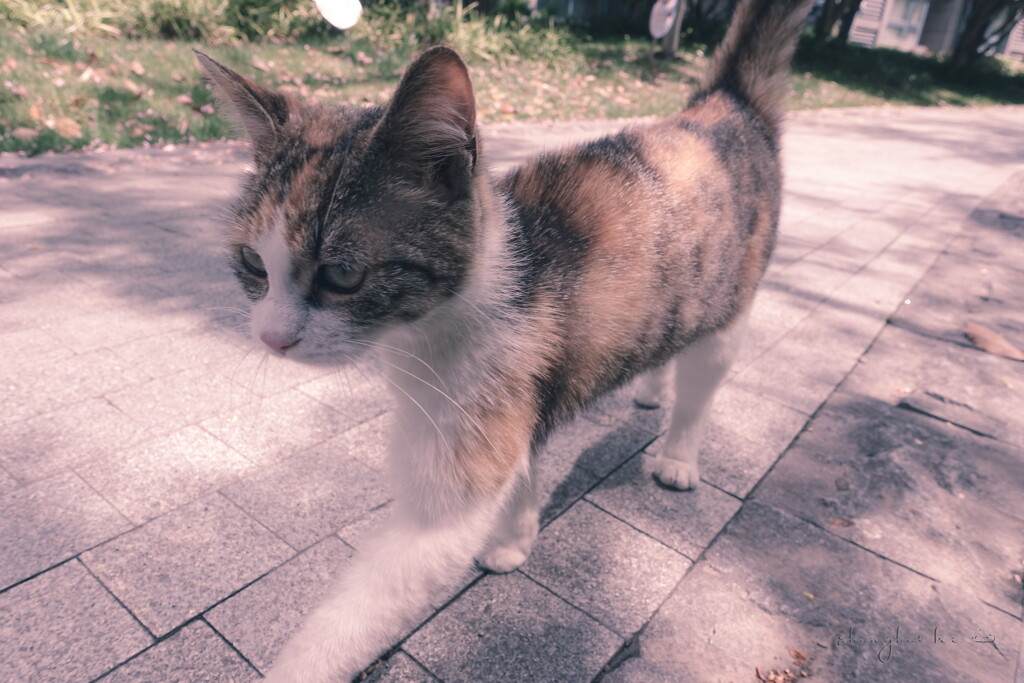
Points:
[(342, 14)]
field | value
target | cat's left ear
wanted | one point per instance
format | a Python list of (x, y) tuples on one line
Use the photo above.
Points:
[(430, 125), (261, 113)]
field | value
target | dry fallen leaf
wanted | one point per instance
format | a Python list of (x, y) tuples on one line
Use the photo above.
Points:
[(258, 63), (839, 523), (67, 127), (35, 112), (137, 68), (131, 86), (991, 341), (798, 657), (185, 99)]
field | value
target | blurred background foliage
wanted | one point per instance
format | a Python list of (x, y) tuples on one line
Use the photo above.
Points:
[(92, 74)]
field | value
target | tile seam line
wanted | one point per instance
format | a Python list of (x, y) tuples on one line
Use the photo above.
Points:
[(39, 573), (634, 528), (73, 470), (418, 663), (231, 645), (220, 492), (399, 645), (156, 641), (601, 480), (614, 631), (118, 600)]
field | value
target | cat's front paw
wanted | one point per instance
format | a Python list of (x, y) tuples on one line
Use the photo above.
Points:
[(503, 559), (676, 473)]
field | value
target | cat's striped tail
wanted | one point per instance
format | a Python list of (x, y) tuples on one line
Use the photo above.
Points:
[(753, 59)]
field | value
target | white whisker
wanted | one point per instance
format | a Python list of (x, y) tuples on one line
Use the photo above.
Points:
[(473, 421), (402, 352), (440, 434)]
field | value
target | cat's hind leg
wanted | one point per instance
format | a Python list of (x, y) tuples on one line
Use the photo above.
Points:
[(651, 386), (700, 368), (516, 528)]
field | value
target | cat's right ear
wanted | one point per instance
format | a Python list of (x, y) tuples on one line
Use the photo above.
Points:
[(430, 125), (261, 113)]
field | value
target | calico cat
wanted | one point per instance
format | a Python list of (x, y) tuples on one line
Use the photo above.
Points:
[(501, 306)]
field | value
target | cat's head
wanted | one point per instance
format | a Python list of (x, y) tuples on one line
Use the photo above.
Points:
[(353, 221)]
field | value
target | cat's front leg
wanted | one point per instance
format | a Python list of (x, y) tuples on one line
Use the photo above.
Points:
[(515, 529), (387, 589), (451, 486)]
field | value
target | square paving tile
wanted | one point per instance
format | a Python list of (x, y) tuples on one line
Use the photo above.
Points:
[(64, 626), (157, 476), (311, 495), (605, 567), (358, 392), (44, 350), (259, 619), (42, 446), (684, 520), (963, 385), (74, 379), (195, 653), (265, 375), (746, 434), (355, 532), (577, 456), (178, 565), (926, 494), (618, 407), (167, 403), (277, 427), (507, 628), (369, 441), (50, 521), (172, 352), (773, 585), (90, 332)]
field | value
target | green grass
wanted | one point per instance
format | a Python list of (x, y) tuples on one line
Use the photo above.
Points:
[(69, 85), (877, 76)]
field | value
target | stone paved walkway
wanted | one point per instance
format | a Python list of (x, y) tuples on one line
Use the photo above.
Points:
[(171, 503)]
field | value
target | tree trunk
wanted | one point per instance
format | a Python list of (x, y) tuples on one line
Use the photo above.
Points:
[(982, 13), (826, 20), (670, 43), (849, 12)]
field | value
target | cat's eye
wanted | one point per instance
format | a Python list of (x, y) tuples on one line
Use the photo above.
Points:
[(342, 280), (252, 262)]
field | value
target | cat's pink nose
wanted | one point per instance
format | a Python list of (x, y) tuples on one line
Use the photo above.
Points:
[(278, 341)]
